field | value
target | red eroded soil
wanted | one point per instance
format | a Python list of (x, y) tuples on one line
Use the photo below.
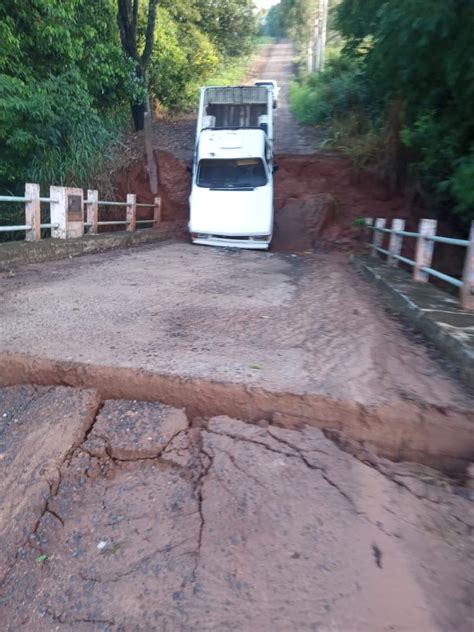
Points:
[(316, 197), (174, 186), (138, 517)]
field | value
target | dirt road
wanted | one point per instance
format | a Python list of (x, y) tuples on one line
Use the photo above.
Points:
[(177, 134), (290, 138), (285, 322)]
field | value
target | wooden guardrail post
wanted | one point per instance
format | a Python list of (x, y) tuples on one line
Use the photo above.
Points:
[(424, 249), (395, 243), (33, 212), (467, 290), (378, 236), (131, 211), (92, 211), (157, 212)]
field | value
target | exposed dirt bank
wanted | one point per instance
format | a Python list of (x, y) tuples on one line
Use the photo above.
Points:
[(405, 431), (145, 519), (317, 198)]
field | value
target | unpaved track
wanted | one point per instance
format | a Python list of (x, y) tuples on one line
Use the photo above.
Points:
[(148, 522), (290, 138), (248, 334), (177, 134)]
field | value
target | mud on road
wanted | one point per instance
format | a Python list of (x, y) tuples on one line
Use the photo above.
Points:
[(136, 517)]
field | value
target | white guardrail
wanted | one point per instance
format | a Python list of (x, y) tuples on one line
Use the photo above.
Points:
[(426, 238), (73, 216)]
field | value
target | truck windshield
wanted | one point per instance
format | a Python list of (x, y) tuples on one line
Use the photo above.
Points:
[(231, 174)]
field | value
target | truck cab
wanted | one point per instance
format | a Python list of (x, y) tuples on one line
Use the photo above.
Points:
[(231, 201)]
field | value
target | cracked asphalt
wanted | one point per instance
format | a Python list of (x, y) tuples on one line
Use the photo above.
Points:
[(139, 518)]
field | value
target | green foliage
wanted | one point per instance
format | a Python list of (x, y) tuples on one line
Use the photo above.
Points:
[(274, 25), (295, 19), (460, 185), (65, 82), (183, 57), (232, 71), (342, 88), (423, 54), (49, 130), (409, 57), (62, 80), (230, 24)]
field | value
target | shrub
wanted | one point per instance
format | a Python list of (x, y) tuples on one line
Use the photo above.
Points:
[(50, 130), (342, 88)]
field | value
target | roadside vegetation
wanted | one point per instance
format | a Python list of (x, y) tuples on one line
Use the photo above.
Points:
[(73, 71), (398, 95), (233, 71)]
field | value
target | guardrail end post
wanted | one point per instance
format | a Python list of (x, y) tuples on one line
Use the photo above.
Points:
[(131, 212), (92, 211), (378, 236), (467, 290), (396, 241), (33, 212), (157, 212), (67, 212), (424, 249)]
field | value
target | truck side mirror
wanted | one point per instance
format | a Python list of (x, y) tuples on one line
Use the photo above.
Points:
[(189, 169), (275, 168)]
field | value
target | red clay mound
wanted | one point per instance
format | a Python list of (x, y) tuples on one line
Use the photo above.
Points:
[(317, 198), (174, 186)]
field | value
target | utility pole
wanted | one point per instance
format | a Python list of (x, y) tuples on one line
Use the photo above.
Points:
[(313, 39), (323, 33), (317, 40)]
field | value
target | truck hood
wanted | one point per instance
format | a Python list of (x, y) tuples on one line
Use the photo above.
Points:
[(218, 212)]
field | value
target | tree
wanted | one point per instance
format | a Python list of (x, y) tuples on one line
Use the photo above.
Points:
[(127, 17), (420, 55), (63, 81), (230, 24)]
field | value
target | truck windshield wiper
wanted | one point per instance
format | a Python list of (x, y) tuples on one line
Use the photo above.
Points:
[(239, 188)]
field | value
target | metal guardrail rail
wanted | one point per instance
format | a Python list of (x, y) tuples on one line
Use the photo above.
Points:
[(426, 238), (73, 216)]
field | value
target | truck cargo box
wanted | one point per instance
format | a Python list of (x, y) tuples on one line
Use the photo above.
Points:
[(235, 106)]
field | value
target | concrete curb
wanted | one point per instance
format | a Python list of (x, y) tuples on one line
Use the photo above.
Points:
[(433, 312), (16, 253)]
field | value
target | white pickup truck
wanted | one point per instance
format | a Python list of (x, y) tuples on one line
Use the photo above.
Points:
[(231, 201)]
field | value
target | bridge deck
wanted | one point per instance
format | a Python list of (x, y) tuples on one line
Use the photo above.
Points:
[(302, 324)]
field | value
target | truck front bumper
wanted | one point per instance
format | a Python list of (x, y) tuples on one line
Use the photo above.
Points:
[(260, 242)]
